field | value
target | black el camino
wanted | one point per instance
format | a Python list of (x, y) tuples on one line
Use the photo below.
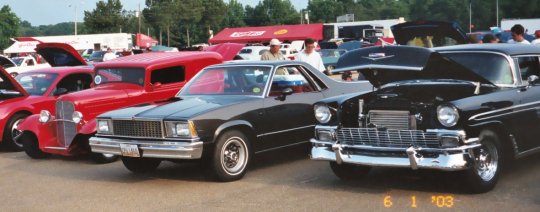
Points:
[(226, 113), (467, 108)]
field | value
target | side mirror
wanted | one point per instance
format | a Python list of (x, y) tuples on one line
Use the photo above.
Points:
[(284, 93), (532, 80), (60, 91), (155, 85)]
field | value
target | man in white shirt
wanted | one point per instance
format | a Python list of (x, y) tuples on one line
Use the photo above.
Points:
[(310, 56), (517, 35), (537, 40), (109, 55)]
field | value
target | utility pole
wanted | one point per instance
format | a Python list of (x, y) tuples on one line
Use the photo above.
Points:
[(470, 16), (139, 16), (497, 9), (75, 19)]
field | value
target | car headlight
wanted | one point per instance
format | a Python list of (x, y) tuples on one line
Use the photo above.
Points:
[(44, 116), (104, 126), (76, 117), (322, 113), (180, 129), (448, 115)]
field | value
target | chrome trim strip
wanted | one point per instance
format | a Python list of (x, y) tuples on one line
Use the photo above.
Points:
[(503, 109), (148, 138), (282, 131), (394, 149), (280, 147), (378, 67), (528, 152), (56, 147)]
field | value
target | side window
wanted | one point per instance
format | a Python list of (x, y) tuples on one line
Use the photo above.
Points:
[(528, 66), (290, 77), (168, 75), (75, 82)]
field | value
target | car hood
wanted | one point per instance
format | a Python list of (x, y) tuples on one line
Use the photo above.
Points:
[(6, 62), (227, 50), (8, 84), (60, 54), (438, 29), (382, 65), (183, 109)]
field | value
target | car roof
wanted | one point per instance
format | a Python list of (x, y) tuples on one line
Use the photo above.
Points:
[(152, 58), (505, 48), (262, 63)]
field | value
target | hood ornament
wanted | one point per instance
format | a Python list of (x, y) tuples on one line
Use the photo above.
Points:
[(377, 56)]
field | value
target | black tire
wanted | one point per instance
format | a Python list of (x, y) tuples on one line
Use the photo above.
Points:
[(103, 158), (10, 132), (231, 156), (349, 171), (483, 176), (140, 165), (31, 146)]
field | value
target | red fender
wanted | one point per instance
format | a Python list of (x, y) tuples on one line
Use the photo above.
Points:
[(45, 132), (88, 128)]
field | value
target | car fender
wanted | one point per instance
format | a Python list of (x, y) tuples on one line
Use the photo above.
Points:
[(45, 132), (88, 128), (231, 124)]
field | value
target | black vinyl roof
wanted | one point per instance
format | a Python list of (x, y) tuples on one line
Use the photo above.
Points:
[(505, 48)]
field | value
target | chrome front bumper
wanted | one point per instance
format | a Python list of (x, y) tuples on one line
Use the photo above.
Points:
[(448, 159), (191, 149)]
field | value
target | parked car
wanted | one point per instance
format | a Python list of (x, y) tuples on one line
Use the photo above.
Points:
[(122, 82), (17, 65), (429, 33), (36, 90), (330, 58), (468, 108), (226, 114), (96, 56), (253, 52)]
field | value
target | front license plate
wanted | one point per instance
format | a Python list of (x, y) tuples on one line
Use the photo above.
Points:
[(130, 150)]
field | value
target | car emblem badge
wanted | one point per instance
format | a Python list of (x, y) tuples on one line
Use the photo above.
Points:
[(377, 56)]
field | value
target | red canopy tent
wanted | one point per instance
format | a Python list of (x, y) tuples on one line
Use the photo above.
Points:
[(266, 33), (144, 41)]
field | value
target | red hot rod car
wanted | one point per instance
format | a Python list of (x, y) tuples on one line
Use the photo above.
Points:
[(119, 83)]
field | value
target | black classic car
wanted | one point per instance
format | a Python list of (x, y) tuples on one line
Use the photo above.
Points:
[(468, 108), (225, 114)]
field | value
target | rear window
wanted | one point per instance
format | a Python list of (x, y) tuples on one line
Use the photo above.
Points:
[(116, 75)]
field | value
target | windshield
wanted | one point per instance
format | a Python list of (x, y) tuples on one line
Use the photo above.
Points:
[(17, 60), (235, 80), (125, 75), (245, 51), (97, 55), (328, 53), (36, 84), (493, 67)]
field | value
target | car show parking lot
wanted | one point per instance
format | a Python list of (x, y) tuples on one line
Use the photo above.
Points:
[(272, 184)]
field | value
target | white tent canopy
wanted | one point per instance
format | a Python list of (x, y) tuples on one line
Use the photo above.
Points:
[(21, 47)]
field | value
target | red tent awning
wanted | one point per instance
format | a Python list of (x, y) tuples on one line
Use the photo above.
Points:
[(144, 41), (266, 33)]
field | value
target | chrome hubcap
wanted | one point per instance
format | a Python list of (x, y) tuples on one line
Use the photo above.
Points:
[(487, 161), (234, 156), (15, 132)]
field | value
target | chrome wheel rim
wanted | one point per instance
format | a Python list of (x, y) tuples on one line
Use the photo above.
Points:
[(15, 132), (108, 155), (234, 156), (487, 161)]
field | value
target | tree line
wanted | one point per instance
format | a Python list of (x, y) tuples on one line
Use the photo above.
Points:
[(186, 22)]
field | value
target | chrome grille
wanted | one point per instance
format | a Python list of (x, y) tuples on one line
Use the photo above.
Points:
[(388, 138), (66, 129), (138, 128), (390, 119)]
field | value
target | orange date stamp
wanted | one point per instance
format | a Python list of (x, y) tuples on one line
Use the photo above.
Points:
[(439, 201)]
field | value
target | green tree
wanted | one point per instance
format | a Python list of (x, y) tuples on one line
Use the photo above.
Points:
[(235, 15), (325, 11), (9, 26), (272, 12), (106, 18)]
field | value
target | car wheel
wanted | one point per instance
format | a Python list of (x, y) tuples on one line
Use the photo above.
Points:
[(31, 146), (483, 176), (140, 165), (349, 171), (231, 156), (10, 132), (103, 158)]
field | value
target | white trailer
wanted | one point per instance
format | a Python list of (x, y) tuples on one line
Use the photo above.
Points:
[(530, 25), (117, 41), (360, 28)]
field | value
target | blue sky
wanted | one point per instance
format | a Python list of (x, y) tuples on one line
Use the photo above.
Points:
[(45, 12)]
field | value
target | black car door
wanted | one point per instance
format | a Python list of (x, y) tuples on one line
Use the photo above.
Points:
[(528, 120), (288, 120)]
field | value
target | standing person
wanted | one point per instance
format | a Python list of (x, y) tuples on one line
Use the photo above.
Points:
[(274, 53), (517, 35), (537, 40), (310, 56), (490, 38), (109, 55)]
